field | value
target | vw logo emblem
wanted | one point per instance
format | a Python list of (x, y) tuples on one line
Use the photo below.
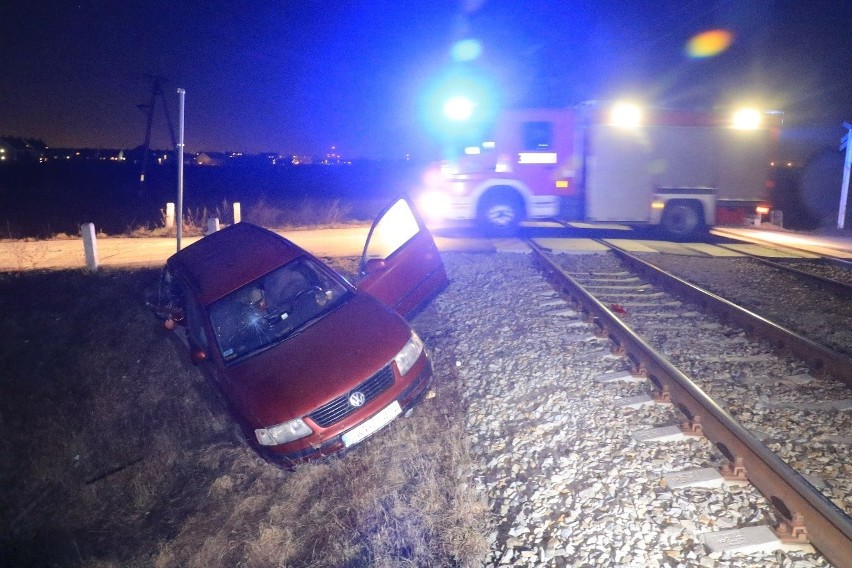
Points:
[(357, 398)]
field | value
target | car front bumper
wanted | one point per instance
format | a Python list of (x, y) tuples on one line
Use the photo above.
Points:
[(407, 399)]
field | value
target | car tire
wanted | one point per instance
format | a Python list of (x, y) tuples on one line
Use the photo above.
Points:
[(501, 213), (682, 219)]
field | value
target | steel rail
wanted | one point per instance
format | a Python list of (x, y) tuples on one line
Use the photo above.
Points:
[(751, 239), (821, 358), (841, 288), (827, 527)]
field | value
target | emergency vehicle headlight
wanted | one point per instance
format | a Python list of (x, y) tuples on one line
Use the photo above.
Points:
[(747, 119), (434, 205), (625, 115), (658, 205)]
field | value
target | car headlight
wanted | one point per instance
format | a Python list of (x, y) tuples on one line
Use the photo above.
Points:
[(283, 433), (409, 354)]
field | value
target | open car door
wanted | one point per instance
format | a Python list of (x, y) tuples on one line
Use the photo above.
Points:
[(400, 265)]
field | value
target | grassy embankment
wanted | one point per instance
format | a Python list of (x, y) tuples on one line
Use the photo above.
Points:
[(116, 452)]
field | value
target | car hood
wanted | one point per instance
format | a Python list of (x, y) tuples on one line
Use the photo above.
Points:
[(325, 360)]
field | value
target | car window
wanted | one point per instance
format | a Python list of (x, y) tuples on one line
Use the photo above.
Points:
[(274, 306), (537, 135), (396, 227)]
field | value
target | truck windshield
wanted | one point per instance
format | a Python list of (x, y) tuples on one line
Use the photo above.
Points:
[(273, 307)]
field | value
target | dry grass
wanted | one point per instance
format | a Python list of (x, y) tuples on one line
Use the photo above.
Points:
[(304, 213), (285, 215), (301, 213), (193, 223), (117, 453)]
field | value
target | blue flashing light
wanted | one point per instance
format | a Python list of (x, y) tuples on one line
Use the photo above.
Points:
[(466, 50), (460, 105), (459, 108)]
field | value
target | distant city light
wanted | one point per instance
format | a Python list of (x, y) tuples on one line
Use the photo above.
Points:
[(709, 44)]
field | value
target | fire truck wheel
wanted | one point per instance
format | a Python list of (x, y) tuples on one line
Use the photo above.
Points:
[(500, 214), (681, 219)]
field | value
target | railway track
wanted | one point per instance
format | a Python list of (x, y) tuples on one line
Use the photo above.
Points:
[(618, 297), (821, 270), (813, 322), (796, 244)]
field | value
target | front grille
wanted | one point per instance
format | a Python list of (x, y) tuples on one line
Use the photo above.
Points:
[(339, 408)]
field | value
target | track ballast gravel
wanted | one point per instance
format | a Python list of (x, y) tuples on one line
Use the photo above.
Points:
[(557, 460)]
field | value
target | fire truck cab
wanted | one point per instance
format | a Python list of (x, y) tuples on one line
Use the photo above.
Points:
[(682, 170)]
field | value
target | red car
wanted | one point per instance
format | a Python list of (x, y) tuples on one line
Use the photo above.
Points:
[(308, 363)]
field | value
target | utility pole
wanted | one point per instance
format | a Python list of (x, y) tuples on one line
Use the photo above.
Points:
[(156, 93), (847, 164), (181, 97)]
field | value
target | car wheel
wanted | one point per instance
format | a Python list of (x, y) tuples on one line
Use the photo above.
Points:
[(500, 215), (681, 219)]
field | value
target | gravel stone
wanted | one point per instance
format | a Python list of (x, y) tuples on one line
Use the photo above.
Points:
[(557, 460)]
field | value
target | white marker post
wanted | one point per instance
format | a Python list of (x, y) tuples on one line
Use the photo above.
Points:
[(238, 216), (212, 225), (90, 246), (170, 215)]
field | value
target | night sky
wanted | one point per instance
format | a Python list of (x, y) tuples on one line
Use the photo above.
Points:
[(301, 76)]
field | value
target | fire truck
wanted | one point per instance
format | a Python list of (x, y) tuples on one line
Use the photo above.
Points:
[(680, 170)]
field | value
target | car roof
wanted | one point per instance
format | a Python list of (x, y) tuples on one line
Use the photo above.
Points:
[(226, 260)]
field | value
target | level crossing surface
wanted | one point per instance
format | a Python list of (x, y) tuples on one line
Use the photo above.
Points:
[(65, 254)]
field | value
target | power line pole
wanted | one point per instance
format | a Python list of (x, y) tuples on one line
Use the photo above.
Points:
[(156, 93)]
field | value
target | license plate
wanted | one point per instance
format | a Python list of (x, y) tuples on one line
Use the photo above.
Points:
[(372, 425)]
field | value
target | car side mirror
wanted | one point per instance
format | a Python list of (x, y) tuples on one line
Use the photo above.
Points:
[(374, 265), (197, 355)]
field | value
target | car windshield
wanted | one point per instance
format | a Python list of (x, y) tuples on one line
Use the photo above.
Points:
[(273, 307)]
